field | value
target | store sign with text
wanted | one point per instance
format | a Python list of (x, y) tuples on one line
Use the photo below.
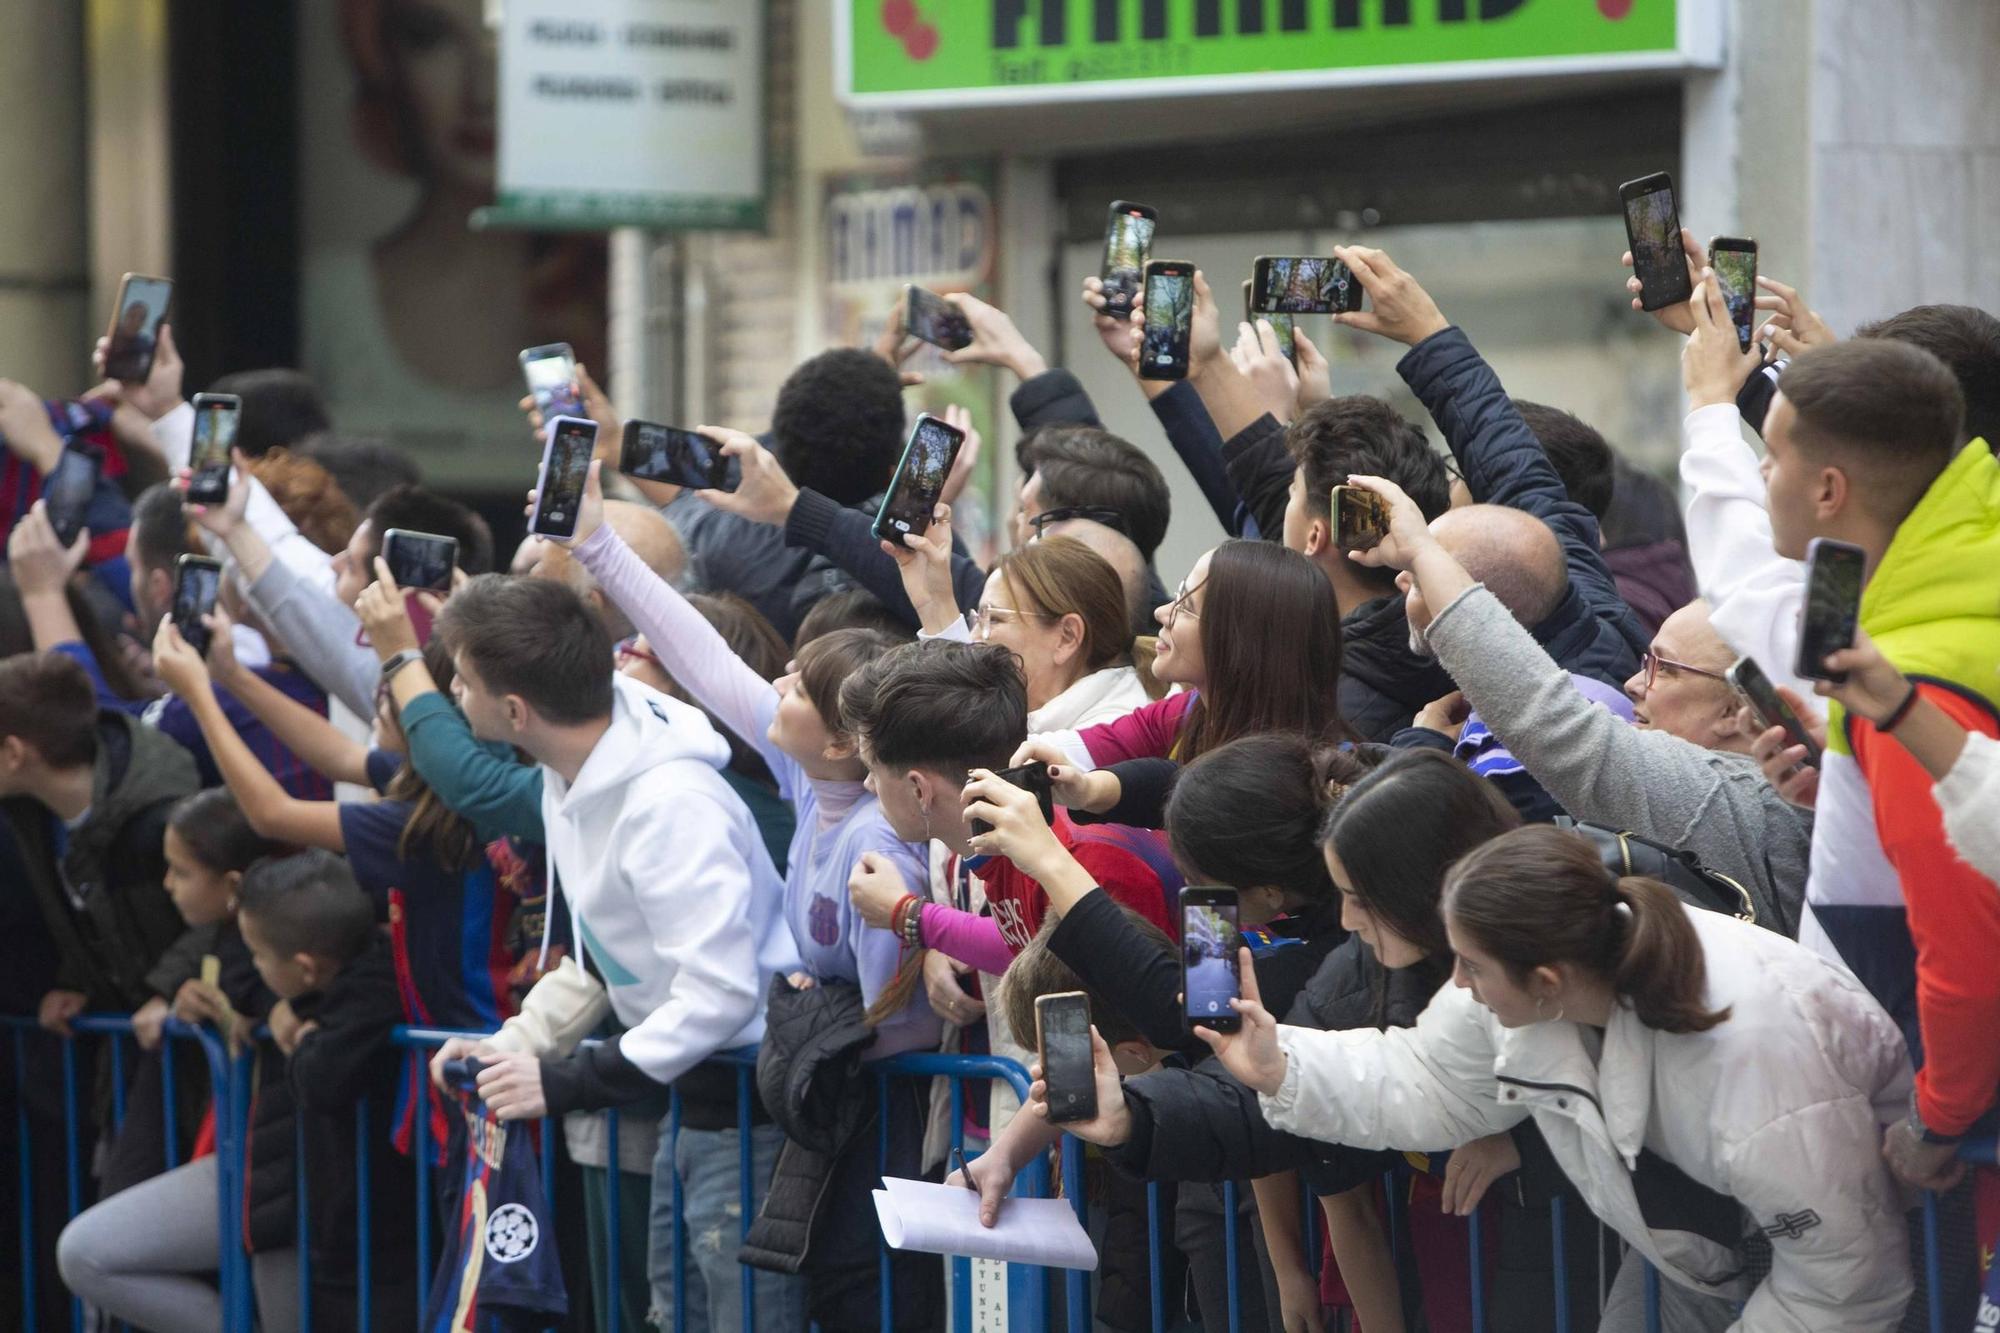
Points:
[(642, 113), (939, 53)]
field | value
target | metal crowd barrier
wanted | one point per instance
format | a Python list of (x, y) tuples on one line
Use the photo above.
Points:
[(1029, 1292)]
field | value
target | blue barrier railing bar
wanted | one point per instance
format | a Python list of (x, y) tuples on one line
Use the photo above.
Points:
[(746, 1187), (364, 1261), (27, 1167), (1155, 1279), (1475, 1249), (302, 1227), (1558, 1229), (72, 1173), (1229, 1256)]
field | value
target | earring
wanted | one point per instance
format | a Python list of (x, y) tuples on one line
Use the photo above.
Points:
[(1541, 1002), (230, 906)]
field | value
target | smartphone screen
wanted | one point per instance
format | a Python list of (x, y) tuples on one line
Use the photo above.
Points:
[(420, 559), (1750, 681), (215, 420), (653, 452), (67, 492), (1163, 355), (565, 468), (197, 580), (1734, 260), (1653, 227), (1303, 285), (1360, 518), (1284, 326), (1062, 1025), (1833, 606), (931, 318), (919, 480), (135, 327), (1128, 246), (551, 375), (1208, 957)]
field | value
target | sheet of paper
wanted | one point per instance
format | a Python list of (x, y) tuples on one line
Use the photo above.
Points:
[(944, 1219)]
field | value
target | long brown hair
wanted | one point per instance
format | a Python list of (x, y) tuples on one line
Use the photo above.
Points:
[(1270, 636), (1540, 896), (433, 827), (1060, 576)]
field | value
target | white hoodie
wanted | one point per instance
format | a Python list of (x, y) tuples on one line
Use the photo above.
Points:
[(670, 889)]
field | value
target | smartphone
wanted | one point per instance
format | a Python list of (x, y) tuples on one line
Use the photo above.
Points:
[(216, 416), (1748, 679), (1832, 611), (1032, 776), (551, 374), (1284, 326), (1653, 227), (565, 467), (1360, 518), (135, 326), (920, 476), (1163, 354), (1303, 285), (197, 581), (1209, 943), (652, 452), (420, 559), (1734, 259), (1062, 1037), (931, 318), (1128, 244), (66, 496)]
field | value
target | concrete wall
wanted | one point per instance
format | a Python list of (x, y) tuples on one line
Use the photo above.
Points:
[(44, 255)]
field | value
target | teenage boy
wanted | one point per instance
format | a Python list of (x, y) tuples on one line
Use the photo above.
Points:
[(675, 906), (87, 793)]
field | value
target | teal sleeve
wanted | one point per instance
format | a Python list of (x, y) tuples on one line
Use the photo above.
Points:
[(484, 783)]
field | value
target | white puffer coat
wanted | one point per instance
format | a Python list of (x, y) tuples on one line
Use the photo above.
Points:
[(1781, 1108)]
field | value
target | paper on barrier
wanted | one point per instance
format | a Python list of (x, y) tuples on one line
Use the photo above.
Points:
[(944, 1219)]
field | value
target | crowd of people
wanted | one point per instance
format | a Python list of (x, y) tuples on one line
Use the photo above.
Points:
[(1535, 918)]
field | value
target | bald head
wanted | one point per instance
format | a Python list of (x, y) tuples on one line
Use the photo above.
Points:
[(650, 536), (1118, 551), (1513, 553)]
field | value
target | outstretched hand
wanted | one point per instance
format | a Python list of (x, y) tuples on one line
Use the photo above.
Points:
[(385, 613), (176, 662), (1251, 1052), (1112, 1125), (589, 514), (40, 563), (763, 494), (1402, 311), (1714, 365), (1408, 536), (1794, 327), (1784, 763), (1677, 316)]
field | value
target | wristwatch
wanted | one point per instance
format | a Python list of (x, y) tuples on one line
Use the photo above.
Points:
[(398, 662), (1923, 1132)]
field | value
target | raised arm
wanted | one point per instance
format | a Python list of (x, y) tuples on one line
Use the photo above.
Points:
[(272, 811), (298, 728)]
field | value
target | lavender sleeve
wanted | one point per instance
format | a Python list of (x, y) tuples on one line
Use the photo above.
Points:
[(970, 938), (688, 647)]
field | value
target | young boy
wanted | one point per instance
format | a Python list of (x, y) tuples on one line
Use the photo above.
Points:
[(311, 933)]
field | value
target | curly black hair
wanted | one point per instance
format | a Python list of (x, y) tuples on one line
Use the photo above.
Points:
[(838, 426)]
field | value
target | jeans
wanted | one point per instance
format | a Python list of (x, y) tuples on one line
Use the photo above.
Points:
[(706, 1162)]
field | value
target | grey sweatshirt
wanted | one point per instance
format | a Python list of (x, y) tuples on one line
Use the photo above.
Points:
[(1604, 771), (323, 634)]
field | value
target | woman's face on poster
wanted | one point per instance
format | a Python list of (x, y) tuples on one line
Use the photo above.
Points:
[(448, 60)]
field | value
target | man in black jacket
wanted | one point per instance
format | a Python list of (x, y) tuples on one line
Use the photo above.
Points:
[(87, 793)]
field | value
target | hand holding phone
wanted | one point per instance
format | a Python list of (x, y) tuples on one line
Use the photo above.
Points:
[(1032, 776), (1164, 346), (1653, 229), (673, 456), (930, 318), (197, 583), (135, 327), (550, 371), (1209, 940), (1303, 285), (1283, 327), (1832, 612), (1128, 248), (919, 480), (1360, 518), (1748, 679), (420, 561), (216, 417), (566, 455), (1734, 259), (1069, 1074)]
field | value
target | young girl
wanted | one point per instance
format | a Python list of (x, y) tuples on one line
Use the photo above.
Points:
[(795, 726)]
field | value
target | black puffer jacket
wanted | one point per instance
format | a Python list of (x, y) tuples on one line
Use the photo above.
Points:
[(1504, 464), (1382, 683), (1201, 1124)]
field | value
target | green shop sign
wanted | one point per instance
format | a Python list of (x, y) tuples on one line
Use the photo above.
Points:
[(938, 53)]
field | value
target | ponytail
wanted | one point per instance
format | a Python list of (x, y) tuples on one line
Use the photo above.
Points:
[(1660, 966), (1540, 896)]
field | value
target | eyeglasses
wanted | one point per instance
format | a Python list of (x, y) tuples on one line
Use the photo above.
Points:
[(1653, 662), (1109, 517), (982, 620), (1183, 604)]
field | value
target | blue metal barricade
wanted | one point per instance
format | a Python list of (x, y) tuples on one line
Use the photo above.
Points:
[(1028, 1288)]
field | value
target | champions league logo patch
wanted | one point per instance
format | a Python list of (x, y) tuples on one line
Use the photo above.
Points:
[(511, 1234)]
